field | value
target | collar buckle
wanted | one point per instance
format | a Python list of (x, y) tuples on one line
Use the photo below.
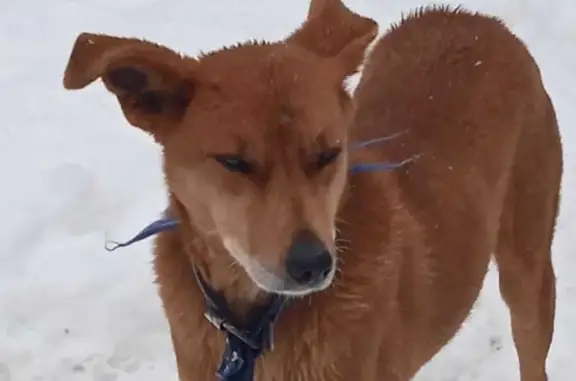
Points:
[(244, 344), (214, 319)]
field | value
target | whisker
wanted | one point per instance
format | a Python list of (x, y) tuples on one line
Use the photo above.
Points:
[(366, 143)]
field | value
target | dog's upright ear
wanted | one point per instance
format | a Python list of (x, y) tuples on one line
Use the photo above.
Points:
[(333, 31), (154, 84)]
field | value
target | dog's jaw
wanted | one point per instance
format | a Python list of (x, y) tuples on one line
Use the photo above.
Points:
[(265, 279)]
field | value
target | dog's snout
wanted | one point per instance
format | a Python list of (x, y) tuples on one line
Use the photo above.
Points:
[(308, 262)]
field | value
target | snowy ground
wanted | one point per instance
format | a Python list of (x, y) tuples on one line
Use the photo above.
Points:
[(72, 170)]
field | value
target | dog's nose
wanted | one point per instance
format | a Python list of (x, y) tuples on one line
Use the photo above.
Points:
[(308, 262)]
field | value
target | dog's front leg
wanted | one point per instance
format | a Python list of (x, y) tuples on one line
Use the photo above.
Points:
[(194, 361), (359, 362)]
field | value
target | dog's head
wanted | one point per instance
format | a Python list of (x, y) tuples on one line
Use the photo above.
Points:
[(254, 136)]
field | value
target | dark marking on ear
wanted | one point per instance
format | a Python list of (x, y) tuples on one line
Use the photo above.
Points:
[(158, 102), (183, 95), (128, 79), (153, 101)]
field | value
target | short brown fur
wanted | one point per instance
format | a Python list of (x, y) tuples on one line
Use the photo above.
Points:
[(470, 101)]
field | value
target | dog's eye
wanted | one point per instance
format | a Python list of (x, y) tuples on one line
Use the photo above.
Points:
[(235, 163), (328, 157)]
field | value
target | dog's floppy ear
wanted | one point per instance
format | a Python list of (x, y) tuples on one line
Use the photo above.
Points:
[(154, 84), (335, 32)]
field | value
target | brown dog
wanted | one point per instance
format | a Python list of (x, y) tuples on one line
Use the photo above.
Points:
[(256, 154)]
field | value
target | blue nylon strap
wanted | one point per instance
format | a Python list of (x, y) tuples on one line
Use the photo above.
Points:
[(163, 224), (238, 361), (378, 167), (244, 343), (245, 346), (167, 223)]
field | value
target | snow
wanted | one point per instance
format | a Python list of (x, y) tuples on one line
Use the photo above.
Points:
[(74, 171)]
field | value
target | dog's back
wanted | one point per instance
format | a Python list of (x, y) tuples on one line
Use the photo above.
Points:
[(469, 100)]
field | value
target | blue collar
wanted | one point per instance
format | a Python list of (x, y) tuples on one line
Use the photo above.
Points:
[(244, 343)]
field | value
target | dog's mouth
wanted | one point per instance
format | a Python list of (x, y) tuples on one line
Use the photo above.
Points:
[(286, 285), (296, 280)]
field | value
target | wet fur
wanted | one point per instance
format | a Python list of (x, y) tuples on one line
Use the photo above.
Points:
[(414, 243)]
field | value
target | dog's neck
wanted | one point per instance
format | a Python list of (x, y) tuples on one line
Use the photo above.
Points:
[(216, 266), (228, 278)]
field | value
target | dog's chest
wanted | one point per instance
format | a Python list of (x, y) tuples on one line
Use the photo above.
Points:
[(307, 356)]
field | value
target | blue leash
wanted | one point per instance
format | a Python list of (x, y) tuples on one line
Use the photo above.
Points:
[(168, 223), (158, 226)]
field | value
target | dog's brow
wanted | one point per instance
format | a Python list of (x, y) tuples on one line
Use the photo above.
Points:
[(233, 145)]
